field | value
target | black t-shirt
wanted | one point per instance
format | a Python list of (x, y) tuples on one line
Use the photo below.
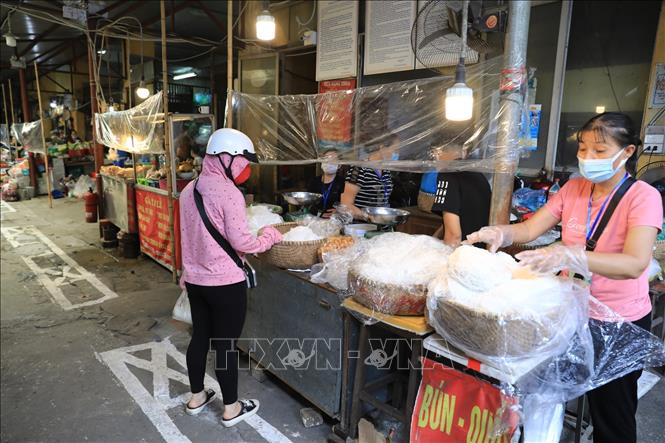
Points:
[(331, 192), (466, 194), (374, 191)]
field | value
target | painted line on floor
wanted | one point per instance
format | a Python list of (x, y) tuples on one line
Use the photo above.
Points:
[(156, 405), (55, 277), (4, 206)]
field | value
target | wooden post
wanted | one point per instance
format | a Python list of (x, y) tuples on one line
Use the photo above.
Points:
[(25, 109), (11, 108), (128, 89), (167, 141), (11, 102), (4, 106), (41, 122), (229, 63)]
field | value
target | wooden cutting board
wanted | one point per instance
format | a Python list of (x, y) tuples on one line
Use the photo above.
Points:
[(415, 324)]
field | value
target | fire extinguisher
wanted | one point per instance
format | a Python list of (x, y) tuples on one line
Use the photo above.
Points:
[(91, 201)]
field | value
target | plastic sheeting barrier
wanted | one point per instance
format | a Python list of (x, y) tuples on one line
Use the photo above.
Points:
[(29, 135), (397, 126), (139, 130)]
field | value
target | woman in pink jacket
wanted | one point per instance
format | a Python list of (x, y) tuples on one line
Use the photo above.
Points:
[(215, 284)]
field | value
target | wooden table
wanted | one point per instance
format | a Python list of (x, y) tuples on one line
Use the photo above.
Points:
[(410, 331)]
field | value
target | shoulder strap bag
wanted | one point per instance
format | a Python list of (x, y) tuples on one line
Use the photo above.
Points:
[(607, 215), (250, 273)]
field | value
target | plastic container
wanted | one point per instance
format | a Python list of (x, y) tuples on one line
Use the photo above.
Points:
[(554, 189), (359, 230)]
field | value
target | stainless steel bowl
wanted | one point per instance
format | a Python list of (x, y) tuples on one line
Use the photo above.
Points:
[(301, 198), (386, 216)]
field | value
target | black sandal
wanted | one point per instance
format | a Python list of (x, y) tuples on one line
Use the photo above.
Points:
[(248, 408), (210, 396)]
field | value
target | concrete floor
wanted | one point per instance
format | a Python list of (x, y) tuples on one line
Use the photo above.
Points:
[(56, 375), (113, 371)]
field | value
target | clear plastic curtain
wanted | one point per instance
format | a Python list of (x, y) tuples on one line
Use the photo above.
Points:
[(29, 135), (139, 130), (397, 126)]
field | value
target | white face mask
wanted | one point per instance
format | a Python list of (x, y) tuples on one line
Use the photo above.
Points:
[(328, 168), (600, 170)]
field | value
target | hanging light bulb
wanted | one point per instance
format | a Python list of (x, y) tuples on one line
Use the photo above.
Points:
[(265, 26), (459, 97), (459, 102), (142, 92), (53, 104)]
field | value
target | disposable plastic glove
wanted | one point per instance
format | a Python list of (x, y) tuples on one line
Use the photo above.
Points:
[(555, 258), (494, 237)]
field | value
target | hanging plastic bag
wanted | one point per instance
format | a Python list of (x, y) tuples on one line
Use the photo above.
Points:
[(182, 311)]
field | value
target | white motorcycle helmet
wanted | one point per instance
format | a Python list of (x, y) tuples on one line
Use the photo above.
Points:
[(232, 142)]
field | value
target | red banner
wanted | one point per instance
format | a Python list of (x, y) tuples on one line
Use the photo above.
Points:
[(154, 235), (456, 407), (334, 114)]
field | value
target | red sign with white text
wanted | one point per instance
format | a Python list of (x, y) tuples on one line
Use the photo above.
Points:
[(455, 407), (154, 235), (334, 113)]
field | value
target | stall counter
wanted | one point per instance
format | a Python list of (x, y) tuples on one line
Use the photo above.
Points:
[(120, 202), (297, 331), (153, 225)]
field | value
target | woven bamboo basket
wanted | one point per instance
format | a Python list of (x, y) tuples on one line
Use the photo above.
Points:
[(486, 333), (425, 201), (387, 299), (292, 254)]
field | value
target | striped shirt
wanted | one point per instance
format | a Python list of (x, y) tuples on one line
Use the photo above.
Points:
[(374, 190)]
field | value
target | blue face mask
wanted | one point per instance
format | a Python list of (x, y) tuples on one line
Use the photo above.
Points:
[(600, 170)]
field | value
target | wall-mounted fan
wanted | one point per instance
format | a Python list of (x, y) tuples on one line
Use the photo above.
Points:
[(436, 32)]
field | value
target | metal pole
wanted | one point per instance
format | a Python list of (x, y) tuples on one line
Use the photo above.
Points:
[(41, 121), (229, 63), (167, 142), (557, 95), (513, 87)]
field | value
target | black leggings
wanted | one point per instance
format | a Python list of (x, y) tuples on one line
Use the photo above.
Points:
[(613, 405), (218, 315)]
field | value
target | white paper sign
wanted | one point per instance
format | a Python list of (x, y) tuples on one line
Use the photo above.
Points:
[(337, 52), (388, 36)]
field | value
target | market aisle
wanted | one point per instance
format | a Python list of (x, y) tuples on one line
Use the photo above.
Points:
[(108, 365)]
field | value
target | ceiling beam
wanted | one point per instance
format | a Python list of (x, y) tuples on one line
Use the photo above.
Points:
[(155, 18), (67, 90), (111, 7), (54, 39), (56, 48), (38, 39), (66, 46), (135, 5), (211, 15)]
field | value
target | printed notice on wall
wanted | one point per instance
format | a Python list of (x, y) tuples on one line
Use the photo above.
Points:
[(388, 36), (658, 96), (337, 52)]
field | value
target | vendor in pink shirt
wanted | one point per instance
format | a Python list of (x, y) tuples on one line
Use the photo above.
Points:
[(607, 154)]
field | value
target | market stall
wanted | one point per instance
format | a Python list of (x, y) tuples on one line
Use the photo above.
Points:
[(138, 186), (479, 302)]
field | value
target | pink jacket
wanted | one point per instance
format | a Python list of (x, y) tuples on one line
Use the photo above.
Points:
[(204, 262)]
